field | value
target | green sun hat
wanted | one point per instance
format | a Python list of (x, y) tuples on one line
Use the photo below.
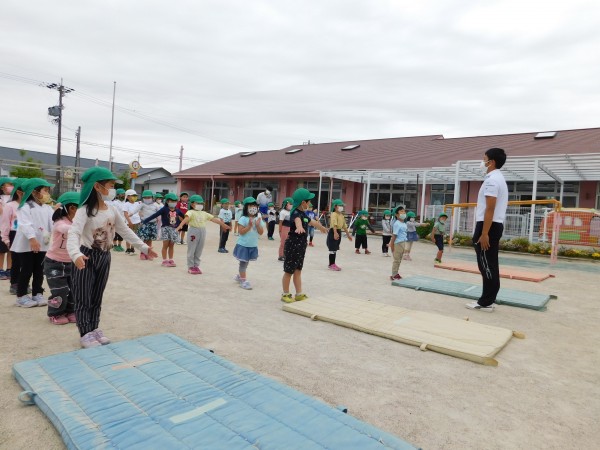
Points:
[(249, 200), (443, 215), (158, 195), (17, 186), (410, 215), (30, 185), (336, 202), (196, 199), (120, 191), (69, 198), (224, 200), (286, 201), (5, 180), (271, 204), (93, 175), (171, 196), (396, 209), (147, 193), (387, 212), (300, 195), (237, 202)]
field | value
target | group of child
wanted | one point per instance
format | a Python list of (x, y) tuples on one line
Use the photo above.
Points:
[(71, 243)]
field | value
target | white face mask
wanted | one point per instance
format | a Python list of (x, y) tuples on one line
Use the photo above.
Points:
[(172, 204), (340, 209), (402, 216), (252, 210), (387, 217), (199, 207), (483, 164), (288, 206), (147, 201), (112, 193), (412, 219)]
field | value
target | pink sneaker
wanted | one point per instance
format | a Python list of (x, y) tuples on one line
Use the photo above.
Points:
[(143, 257), (194, 271), (335, 267), (58, 320), (72, 318), (198, 271), (172, 263), (165, 263)]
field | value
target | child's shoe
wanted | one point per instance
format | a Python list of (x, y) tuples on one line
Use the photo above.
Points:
[(245, 284), (194, 270), (143, 257), (300, 297), (172, 263), (385, 254), (334, 267), (437, 261), (100, 336), (287, 298), (3, 275), (271, 238), (237, 278), (310, 244), (72, 318), (120, 247), (89, 340), (281, 258), (58, 320), (40, 300), (165, 263), (25, 302), (367, 252), (396, 277), (408, 258), (357, 251)]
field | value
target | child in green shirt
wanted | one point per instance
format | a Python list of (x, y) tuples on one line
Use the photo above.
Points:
[(360, 230)]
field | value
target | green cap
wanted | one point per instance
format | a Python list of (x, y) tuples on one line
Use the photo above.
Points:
[(387, 212), (286, 201), (158, 195), (396, 209), (249, 200), (300, 195), (147, 193), (363, 212), (336, 202), (171, 196), (69, 198), (443, 215), (120, 191), (5, 180), (271, 204), (237, 202), (410, 214), (224, 200), (92, 176), (17, 186), (196, 199), (29, 186)]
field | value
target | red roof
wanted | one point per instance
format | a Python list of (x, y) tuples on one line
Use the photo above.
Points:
[(396, 153)]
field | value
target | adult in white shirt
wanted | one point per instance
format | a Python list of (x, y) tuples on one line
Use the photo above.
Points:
[(489, 216), (263, 199)]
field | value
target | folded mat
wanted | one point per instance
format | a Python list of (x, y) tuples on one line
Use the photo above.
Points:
[(511, 297), (162, 392), (505, 272), (455, 337)]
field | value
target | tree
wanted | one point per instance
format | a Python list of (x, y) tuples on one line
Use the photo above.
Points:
[(29, 168), (125, 177)]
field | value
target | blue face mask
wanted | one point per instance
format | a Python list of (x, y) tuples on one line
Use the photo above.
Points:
[(402, 216)]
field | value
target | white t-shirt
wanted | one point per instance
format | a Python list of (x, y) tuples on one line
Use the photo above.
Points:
[(494, 185), (284, 214), (133, 209), (34, 221)]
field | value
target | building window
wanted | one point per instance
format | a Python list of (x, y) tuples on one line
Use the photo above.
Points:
[(442, 194), (221, 191), (313, 186), (388, 196)]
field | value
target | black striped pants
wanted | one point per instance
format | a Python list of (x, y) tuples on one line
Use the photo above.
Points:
[(88, 288)]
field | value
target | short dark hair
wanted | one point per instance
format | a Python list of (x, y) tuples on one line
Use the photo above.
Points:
[(498, 155), (269, 188)]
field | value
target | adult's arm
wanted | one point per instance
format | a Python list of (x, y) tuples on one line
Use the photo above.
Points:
[(490, 207)]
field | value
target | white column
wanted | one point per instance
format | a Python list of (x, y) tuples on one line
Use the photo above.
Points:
[(367, 191), (456, 211), (423, 195), (562, 187), (319, 197), (533, 197)]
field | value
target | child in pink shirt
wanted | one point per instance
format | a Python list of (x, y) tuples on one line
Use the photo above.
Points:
[(58, 265)]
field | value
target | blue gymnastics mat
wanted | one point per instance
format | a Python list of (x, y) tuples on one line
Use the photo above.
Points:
[(162, 392), (511, 297)]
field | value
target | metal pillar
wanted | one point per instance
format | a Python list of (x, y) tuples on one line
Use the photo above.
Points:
[(319, 197), (533, 197), (367, 192), (422, 217)]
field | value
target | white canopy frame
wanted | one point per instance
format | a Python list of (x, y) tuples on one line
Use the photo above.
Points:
[(558, 168)]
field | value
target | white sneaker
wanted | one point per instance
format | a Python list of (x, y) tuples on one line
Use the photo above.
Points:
[(25, 302), (477, 306), (40, 300), (246, 285), (237, 278)]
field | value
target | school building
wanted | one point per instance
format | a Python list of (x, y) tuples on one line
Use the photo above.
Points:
[(419, 172)]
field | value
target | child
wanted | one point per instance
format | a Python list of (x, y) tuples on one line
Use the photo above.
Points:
[(88, 243), (312, 215), (118, 202), (238, 213), (398, 242), (148, 232), (246, 250), (437, 236), (169, 218), (131, 210), (271, 221), (412, 235), (158, 198), (6, 188), (8, 226), (295, 245), (197, 219), (225, 216), (360, 229), (182, 205), (284, 224), (31, 241), (57, 265), (386, 234), (337, 224)]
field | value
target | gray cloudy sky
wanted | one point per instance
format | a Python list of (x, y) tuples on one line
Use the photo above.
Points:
[(261, 75)]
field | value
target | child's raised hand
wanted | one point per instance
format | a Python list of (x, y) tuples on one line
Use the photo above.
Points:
[(80, 262)]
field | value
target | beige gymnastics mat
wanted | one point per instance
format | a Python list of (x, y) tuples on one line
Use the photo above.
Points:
[(455, 337)]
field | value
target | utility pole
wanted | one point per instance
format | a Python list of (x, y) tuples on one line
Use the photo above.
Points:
[(112, 124), (77, 155), (181, 158), (57, 112)]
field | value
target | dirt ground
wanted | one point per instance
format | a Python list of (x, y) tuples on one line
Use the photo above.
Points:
[(545, 393)]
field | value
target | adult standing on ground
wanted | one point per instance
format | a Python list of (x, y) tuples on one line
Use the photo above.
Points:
[(492, 202), (263, 199)]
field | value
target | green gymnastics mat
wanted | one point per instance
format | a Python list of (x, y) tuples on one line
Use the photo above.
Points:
[(511, 297)]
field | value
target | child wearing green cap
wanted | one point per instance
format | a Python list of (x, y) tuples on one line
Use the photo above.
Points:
[(411, 233), (284, 224), (398, 242), (437, 236), (312, 215), (6, 189), (89, 243), (57, 264), (182, 205), (386, 232), (225, 215), (118, 202), (148, 232), (8, 226), (337, 224), (360, 230), (32, 239), (246, 249), (271, 221), (295, 245)]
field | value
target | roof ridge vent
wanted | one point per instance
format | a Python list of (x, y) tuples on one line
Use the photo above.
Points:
[(243, 155), (293, 150), (350, 147), (546, 135)]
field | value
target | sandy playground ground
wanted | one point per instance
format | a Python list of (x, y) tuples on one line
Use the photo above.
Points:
[(545, 393)]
